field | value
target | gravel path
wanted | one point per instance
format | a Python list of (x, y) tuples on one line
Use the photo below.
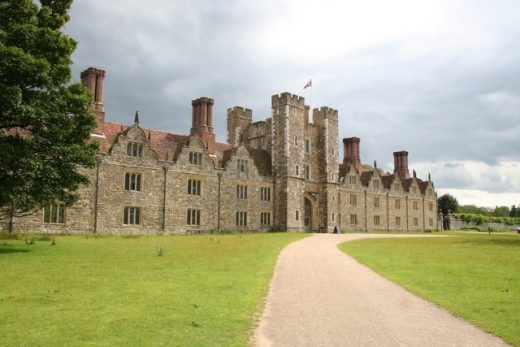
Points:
[(321, 297)]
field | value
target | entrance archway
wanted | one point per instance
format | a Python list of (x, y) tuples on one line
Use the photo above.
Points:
[(307, 215)]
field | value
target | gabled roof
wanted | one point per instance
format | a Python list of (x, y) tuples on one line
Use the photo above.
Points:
[(262, 161), (366, 177), (163, 143)]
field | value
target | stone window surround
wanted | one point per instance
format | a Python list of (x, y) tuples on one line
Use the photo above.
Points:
[(265, 193), (134, 149), (397, 204), (242, 165), (132, 215), (193, 217), (398, 220), (241, 218), (195, 158), (415, 205), (353, 199), (296, 214), (307, 146), (353, 219), (241, 191), (307, 172), (54, 213), (194, 186), (265, 218), (133, 181), (377, 220), (376, 201)]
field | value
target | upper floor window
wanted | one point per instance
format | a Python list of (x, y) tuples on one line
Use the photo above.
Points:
[(242, 165), (195, 158), (376, 201), (396, 186), (430, 206), (133, 181), (353, 199), (54, 213), (194, 187), (415, 205), (296, 140), (265, 194), (375, 184), (397, 204), (307, 172), (241, 192), (297, 170), (352, 179), (307, 146), (134, 149), (132, 215)]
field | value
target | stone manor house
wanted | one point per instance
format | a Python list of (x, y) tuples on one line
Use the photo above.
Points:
[(281, 173)]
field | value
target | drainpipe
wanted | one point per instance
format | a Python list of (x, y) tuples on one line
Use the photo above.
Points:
[(387, 213), (407, 229), (165, 169), (218, 200), (366, 216), (96, 197)]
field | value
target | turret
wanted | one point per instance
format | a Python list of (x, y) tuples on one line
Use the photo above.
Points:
[(238, 118)]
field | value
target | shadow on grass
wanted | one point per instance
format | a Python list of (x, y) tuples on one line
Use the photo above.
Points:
[(13, 250)]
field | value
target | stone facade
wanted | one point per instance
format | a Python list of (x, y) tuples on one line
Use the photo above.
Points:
[(281, 173)]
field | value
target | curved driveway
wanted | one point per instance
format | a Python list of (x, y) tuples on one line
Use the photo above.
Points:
[(321, 297)]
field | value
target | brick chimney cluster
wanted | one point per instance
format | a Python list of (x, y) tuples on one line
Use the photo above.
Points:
[(351, 152), (94, 80), (401, 164), (202, 122)]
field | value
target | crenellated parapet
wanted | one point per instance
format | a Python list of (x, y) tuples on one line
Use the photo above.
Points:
[(238, 118), (322, 113), (286, 98)]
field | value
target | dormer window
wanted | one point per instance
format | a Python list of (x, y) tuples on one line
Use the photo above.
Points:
[(352, 179), (242, 165), (195, 158), (134, 149), (375, 184)]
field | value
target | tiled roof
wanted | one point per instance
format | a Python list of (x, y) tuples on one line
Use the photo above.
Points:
[(164, 143), (388, 180), (262, 161)]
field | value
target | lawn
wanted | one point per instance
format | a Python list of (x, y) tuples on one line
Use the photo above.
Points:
[(476, 277), (203, 291)]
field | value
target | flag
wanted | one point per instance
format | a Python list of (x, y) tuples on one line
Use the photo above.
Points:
[(309, 84)]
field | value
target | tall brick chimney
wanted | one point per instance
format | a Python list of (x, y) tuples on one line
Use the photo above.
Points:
[(202, 122), (94, 80), (351, 152), (401, 164)]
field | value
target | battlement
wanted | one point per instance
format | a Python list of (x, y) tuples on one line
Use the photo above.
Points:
[(287, 99), (324, 112), (242, 112)]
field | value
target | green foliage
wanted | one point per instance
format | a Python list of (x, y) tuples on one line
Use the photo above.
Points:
[(113, 291), (447, 204), (473, 276), (44, 123), (478, 219)]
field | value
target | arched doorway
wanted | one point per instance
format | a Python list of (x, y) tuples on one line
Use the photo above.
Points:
[(307, 215)]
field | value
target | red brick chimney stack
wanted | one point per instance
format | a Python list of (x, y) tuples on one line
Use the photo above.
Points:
[(401, 164), (351, 152), (202, 121), (94, 80)]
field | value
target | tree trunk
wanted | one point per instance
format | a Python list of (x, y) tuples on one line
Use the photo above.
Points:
[(11, 221)]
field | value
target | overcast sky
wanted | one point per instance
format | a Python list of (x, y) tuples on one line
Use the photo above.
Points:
[(438, 78)]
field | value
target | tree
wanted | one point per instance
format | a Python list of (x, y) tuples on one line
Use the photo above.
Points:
[(501, 211), (448, 204), (513, 213), (45, 123)]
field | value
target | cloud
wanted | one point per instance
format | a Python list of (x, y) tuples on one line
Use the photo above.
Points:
[(437, 78)]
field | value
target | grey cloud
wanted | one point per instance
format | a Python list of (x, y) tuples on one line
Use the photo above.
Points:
[(438, 98)]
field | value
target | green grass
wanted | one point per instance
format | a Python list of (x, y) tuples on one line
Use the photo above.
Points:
[(106, 291), (476, 277)]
